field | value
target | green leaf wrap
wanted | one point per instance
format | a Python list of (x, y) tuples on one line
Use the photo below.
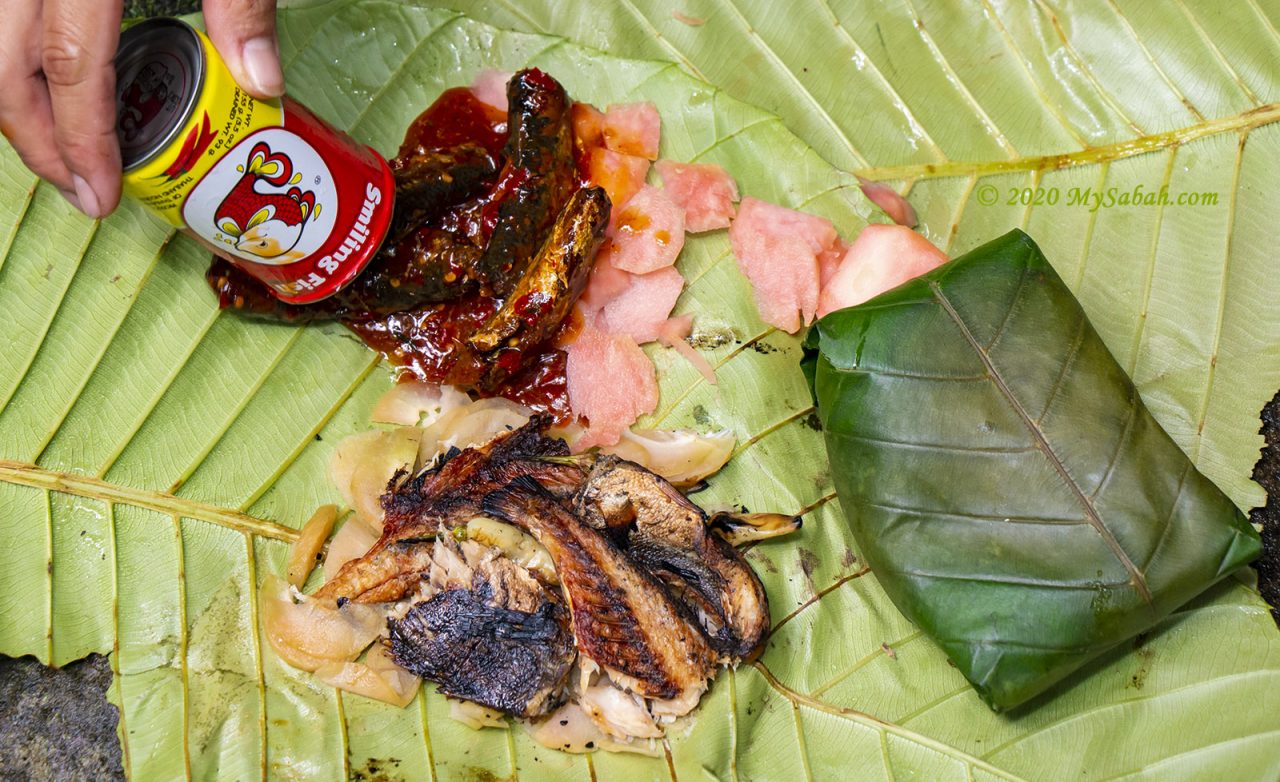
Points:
[(1004, 479)]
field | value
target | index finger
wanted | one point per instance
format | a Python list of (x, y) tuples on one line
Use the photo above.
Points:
[(78, 58)]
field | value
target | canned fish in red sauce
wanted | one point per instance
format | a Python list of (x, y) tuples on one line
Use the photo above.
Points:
[(268, 185)]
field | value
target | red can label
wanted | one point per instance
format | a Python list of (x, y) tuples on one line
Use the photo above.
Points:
[(267, 184), (276, 207)]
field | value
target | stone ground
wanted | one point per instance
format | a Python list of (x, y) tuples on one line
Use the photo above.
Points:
[(56, 723)]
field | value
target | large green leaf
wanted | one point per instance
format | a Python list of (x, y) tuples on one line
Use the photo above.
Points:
[(160, 455), (944, 100), (1003, 477)]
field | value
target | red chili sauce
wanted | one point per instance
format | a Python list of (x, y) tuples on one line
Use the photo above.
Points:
[(429, 343)]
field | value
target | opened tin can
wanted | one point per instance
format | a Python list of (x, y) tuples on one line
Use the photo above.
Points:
[(271, 187)]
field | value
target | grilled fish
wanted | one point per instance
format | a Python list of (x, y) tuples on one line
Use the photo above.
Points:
[(539, 160), (529, 577), (542, 297), (491, 634), (429, 181), (669, 536), (416, 507), (624, 621)]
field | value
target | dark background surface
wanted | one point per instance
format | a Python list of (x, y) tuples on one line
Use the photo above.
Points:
[(57, 724)]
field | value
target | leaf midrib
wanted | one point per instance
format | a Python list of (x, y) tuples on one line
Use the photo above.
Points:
[(1242, 122), (1136, 578), (26, 474)]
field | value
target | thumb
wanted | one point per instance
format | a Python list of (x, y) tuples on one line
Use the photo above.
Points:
[(244, 33)]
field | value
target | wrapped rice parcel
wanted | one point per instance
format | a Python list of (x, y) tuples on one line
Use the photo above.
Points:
[(1002, 476)]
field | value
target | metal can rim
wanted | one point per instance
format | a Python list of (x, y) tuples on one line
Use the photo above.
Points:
[(192, 98)]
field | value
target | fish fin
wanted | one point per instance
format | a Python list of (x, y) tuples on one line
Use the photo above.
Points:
[(506, 503)]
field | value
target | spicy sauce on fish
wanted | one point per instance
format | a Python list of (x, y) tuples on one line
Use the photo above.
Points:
[(428, 343)]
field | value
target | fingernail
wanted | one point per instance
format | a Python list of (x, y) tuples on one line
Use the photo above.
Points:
[(262, 66), (88, 199), (71, 199)]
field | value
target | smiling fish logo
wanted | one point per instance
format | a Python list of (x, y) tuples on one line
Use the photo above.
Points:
[(264, 221)]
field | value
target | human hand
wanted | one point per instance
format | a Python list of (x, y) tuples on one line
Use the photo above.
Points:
[(58, 106)]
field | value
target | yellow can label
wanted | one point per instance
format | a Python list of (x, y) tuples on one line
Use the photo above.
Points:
[(223, 114)]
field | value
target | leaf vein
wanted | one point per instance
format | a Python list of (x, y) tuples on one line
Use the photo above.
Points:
[(787, 73), (24, 474), (392, 78), (1084, 68), (1120, 150), (116, 677), (818, 596), (1168, 519), (863, 661), (150, 406), (1086, 247), (21, 374), (801, 747), (1130, 417), (1015, 303), (251, 567), (662, 41), (921, 710), (88, 371), (48, 538), (1021, 57), (1072, 353), (250, 394), (183, 641), (22, 215), (941, 447), (1181, 757), (426, 733), (1139, 583), (1149, 282), (875, 723), (1211, 377), (1213, 683), (310, 436), (1217, 54), (1054, 584), (898, 102), (1266, 21), (974, 516), (956, 82), (1173, 88)]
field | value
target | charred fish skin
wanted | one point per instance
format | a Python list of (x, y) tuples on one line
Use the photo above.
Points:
[(545, 293), (513, 661), (385, 573), (429, 267), (435, 266), (623, 619), (468, 475), (429, 181), (539, 159), (418, 507), (669, 534), (730, 606)]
